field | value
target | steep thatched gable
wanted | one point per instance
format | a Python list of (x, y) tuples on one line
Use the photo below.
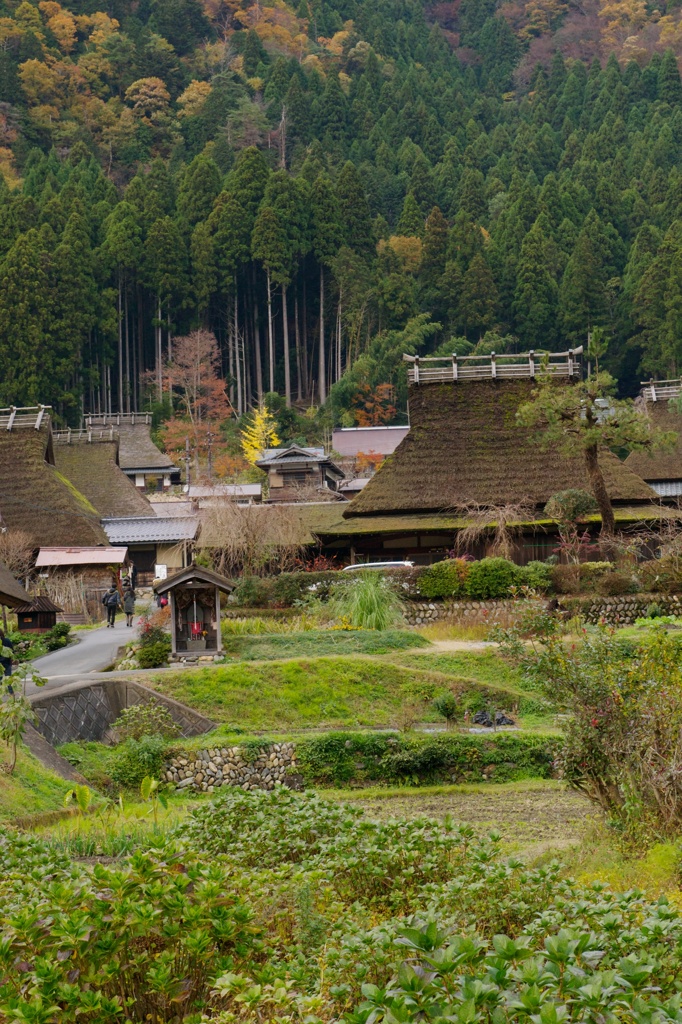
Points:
[(36, 498), (465, 447), (660, 465), (92, 467)]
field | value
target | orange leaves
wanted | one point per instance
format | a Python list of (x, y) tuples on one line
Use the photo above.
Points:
[(61, 23), (372, 408)]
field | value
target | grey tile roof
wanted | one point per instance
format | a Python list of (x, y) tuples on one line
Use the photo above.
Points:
[(151, 529)]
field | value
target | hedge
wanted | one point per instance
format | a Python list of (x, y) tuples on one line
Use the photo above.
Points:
[(343, 758)]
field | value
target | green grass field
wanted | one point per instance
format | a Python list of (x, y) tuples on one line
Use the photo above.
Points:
[(346, 692), (316, 642), (31, 790)]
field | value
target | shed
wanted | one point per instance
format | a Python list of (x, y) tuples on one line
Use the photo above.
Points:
[(37, 616), (293, 470), (194, 595)]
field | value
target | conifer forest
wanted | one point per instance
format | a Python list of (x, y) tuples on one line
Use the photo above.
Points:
[(323, 186)]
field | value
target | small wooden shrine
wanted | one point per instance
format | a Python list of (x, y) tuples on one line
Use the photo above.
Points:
[(37, 617), (194, 596)]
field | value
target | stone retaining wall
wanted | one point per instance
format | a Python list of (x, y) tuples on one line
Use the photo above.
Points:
[(467, 612), (622, 610), (209, 769)]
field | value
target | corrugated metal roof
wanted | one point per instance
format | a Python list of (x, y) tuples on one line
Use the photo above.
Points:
[(80, 556), (377, 440), (224, 491), (151, 529)]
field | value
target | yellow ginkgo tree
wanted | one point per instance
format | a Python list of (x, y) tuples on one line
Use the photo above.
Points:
[(260, 434)]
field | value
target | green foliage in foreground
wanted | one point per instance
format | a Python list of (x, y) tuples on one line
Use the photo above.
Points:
[(340, 691), (315, 642), (339, 758), (32, 789), (285, 909), (369, 602)]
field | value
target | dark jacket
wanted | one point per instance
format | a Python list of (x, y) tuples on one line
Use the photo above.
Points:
[(129, 602), (112, 599)]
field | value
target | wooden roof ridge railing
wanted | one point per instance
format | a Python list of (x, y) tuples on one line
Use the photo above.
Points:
[(24, 416), (493, 366), (661, 390), (70, 436), (116, 419)]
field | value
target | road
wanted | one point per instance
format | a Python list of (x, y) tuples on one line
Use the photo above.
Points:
[(96, 650)]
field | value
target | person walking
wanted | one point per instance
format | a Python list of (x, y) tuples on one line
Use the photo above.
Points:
[(112, 602), (129, 605)]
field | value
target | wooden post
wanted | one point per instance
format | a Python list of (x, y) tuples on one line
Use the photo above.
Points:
[(493, 365), (653, 390), (454, 366), (218, 638), (531, 362), (174, 642), (570, 362), (416, 369)]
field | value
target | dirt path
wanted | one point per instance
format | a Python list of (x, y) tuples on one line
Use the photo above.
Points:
[(531, 817)]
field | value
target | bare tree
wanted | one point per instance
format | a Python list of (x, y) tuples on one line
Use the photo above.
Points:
[(253, 540), (16, 552), (497, 526)]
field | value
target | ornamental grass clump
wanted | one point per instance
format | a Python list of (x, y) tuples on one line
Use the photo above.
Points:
[(368, 602)]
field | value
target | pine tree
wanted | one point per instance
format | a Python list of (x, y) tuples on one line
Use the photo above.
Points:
[(354, 210), (479, 298), (434, 251), (411, 220), (165, 272), (582, 297), (198, 191), (269, 246), (327, 238), (25, 319), (669, 85), (535, 299)]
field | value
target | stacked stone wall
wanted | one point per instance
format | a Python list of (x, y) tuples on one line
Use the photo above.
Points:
[(467, 612), (214, 767)]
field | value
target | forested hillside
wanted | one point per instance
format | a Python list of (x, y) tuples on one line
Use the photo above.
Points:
[(327, 185)]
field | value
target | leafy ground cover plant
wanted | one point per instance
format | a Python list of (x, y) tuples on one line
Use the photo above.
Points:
[(370, 601), (282, 908)]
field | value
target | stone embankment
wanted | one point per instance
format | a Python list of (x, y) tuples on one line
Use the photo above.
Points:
[(209, 769), (492, 613)]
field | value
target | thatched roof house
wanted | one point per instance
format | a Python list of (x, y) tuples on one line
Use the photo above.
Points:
[(466, 451), (661, 469), (92, 466), (34, 496), (139, 458)]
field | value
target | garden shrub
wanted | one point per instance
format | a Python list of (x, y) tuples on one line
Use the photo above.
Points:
[(661, 575), (590, 572), (130, 762), (252, 592), (536, 575), (491, 578), (150, 719), (566, 579), (337, 759), (613, 584), (445, 579), (155, 654), (368, 601)]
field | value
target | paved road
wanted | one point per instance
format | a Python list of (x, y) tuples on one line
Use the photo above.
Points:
[(96, 650)]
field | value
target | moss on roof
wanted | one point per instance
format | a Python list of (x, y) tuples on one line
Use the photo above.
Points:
[(92, 468), (440, 523), (465, 447), (660, 464), (36, 498), (12, 593)]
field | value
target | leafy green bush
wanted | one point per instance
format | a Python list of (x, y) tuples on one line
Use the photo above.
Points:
[(150, 719), (130, 762), (337, 759), (445, 579), (536, 575), (252, 592), (492, 578), (368, 602), (661, 575), (155, 654)]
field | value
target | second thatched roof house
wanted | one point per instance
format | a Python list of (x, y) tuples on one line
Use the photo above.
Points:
[(465, 452), (662, 469)]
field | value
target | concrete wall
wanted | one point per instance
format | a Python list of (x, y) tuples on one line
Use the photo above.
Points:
[(86, 711)]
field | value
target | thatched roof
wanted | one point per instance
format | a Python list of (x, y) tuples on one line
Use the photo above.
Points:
[(36, 498), (465, 447), (311, 520), (12, 593), (659, 464), (38, 604), (92, 467)]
